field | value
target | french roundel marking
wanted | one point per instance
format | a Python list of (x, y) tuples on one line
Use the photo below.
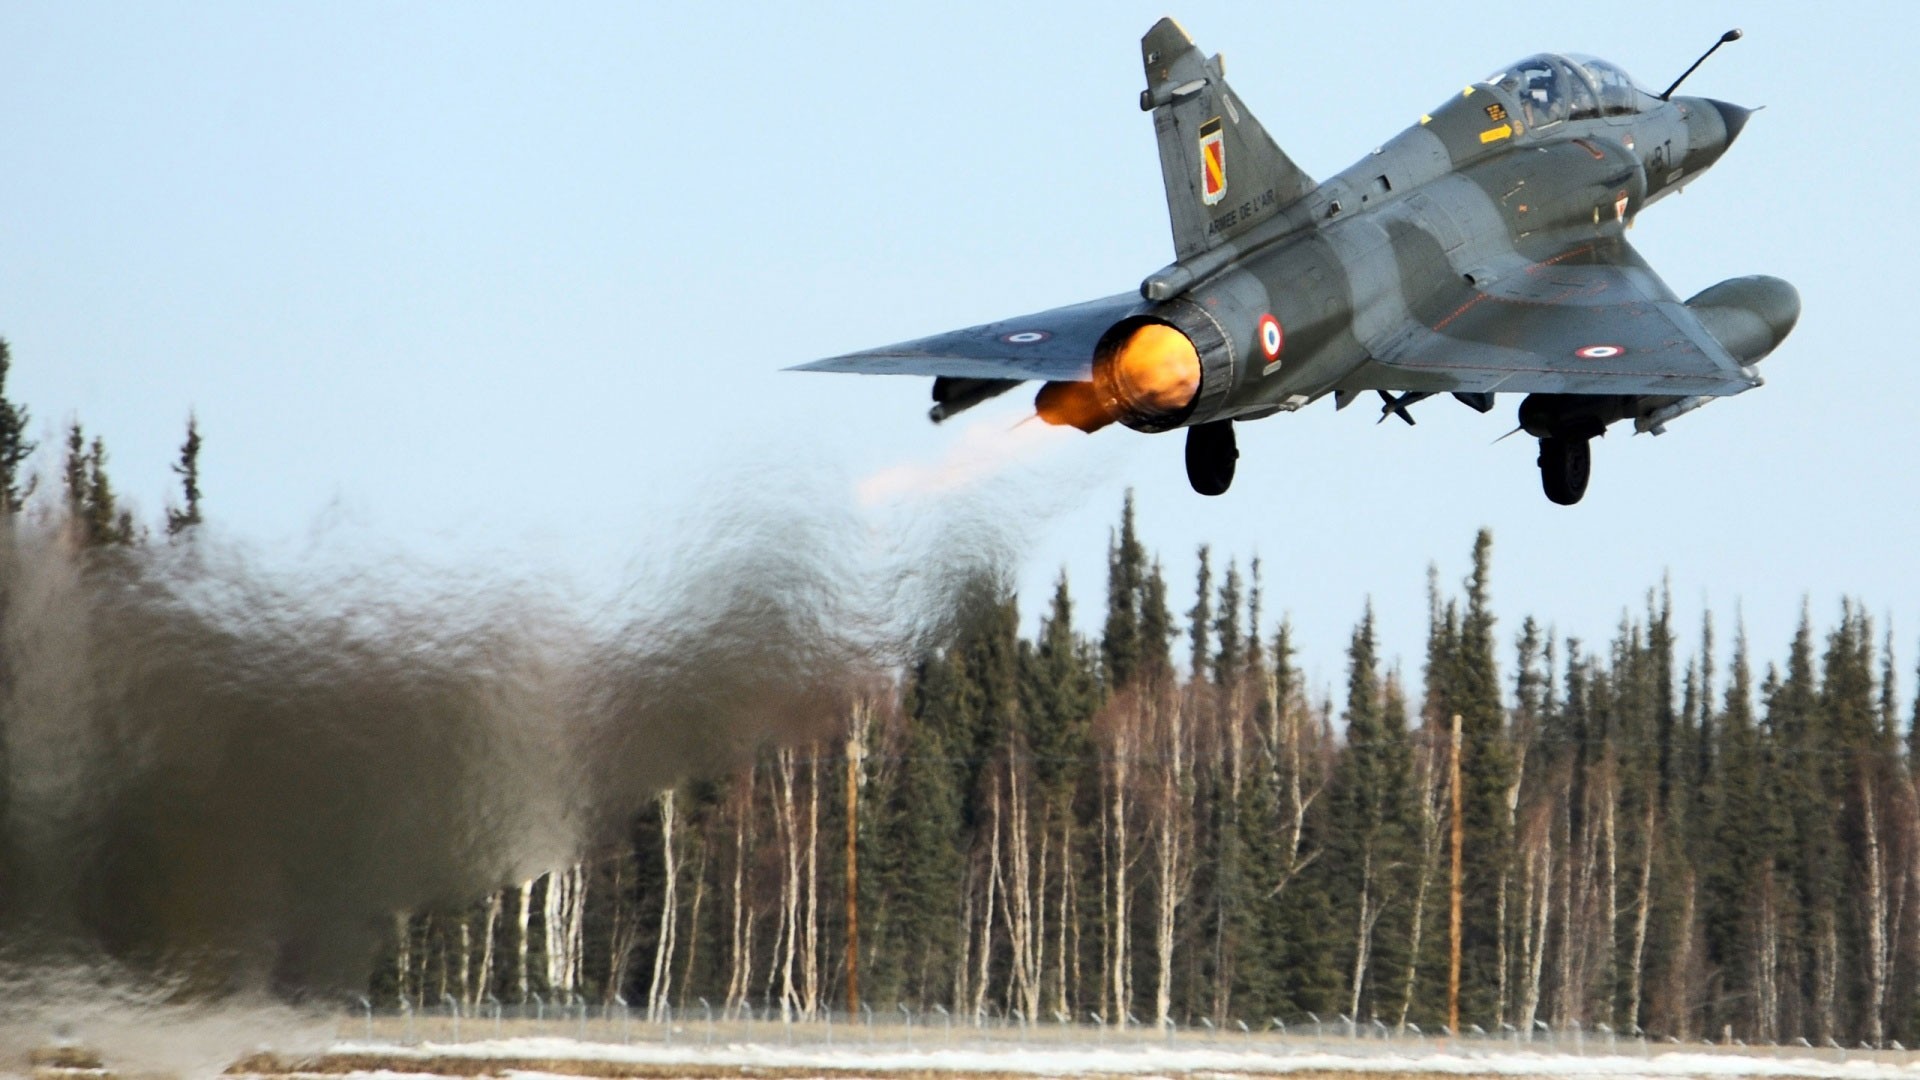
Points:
[(1025, 337), (1272, 339), (1599, 352)]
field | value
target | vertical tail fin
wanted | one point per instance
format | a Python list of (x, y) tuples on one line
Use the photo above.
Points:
[(1222, 170)]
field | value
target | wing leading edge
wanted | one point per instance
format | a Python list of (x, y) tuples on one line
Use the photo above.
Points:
[(1593, 320), (1046, 346)]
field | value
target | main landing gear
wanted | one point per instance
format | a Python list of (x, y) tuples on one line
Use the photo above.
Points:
[(1210, 457), (1565, 466)]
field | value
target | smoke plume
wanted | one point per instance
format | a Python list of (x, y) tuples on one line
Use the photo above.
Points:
[(221, 777)]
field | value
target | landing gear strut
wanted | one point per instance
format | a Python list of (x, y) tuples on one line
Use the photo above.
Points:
[(1210, 457), (1565, 466)]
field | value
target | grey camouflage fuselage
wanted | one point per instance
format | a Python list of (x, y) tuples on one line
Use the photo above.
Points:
[(1480, 251)]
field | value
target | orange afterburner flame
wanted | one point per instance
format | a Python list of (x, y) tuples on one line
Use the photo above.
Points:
[(1071, 404), (1156, 371), (1154, 375)]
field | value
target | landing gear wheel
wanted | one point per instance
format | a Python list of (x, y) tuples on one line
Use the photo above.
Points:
[(1210, 457), (1565, 467)]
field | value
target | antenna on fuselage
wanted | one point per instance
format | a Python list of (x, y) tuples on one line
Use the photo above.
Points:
[(1731, 35)]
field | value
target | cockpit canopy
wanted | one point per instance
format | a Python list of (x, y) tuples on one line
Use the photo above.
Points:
[(1552, 88)]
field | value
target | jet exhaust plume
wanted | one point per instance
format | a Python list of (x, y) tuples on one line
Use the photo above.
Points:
[(220, 780), (984, 451)]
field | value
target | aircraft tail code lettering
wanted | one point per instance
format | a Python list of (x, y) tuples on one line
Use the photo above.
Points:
[(1213, 162)]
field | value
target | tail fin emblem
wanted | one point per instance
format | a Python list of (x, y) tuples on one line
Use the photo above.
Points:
[(1213, 162)]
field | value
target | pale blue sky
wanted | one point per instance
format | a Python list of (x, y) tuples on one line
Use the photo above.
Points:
[(511, 285)]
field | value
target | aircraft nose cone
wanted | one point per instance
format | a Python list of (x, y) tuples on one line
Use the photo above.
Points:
[(1733, 116)]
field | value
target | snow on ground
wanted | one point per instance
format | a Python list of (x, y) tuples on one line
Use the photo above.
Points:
[(1157, 1060)]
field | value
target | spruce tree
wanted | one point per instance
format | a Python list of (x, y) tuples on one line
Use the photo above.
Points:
[(1200, 617), (1399, 848), (1156, 629), (1255, 654), (988, 651), (1306, 975), (1889, 713), (1487, 771), (1249, 904), (1862, 787), (1310, 921), (106, 522), (1126, 575), (1627, 704), (1259, 927), (182, 518), (1371, 826), (1705, 720), (1230, 660), (920, 876), (1058, 704), (73, 475), (1531, 683), (92, 508), (15, 447), (1058, 699), (1204, 978), (1809, 868), (1533, 696), (1913, 725), (1288, 681), (1674, 741), (1849, 699)]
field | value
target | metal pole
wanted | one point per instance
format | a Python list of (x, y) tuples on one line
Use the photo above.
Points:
[(1459, 842)]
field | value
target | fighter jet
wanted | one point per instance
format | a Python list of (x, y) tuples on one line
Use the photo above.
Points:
[(1481, 251)]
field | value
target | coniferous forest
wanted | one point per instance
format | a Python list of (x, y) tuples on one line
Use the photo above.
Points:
[(1073, 825)]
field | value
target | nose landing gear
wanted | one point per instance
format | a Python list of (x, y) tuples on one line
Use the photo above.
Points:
[(1566, 464)]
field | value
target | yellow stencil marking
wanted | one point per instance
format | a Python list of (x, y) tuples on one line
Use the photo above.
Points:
[(1493, 135)]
